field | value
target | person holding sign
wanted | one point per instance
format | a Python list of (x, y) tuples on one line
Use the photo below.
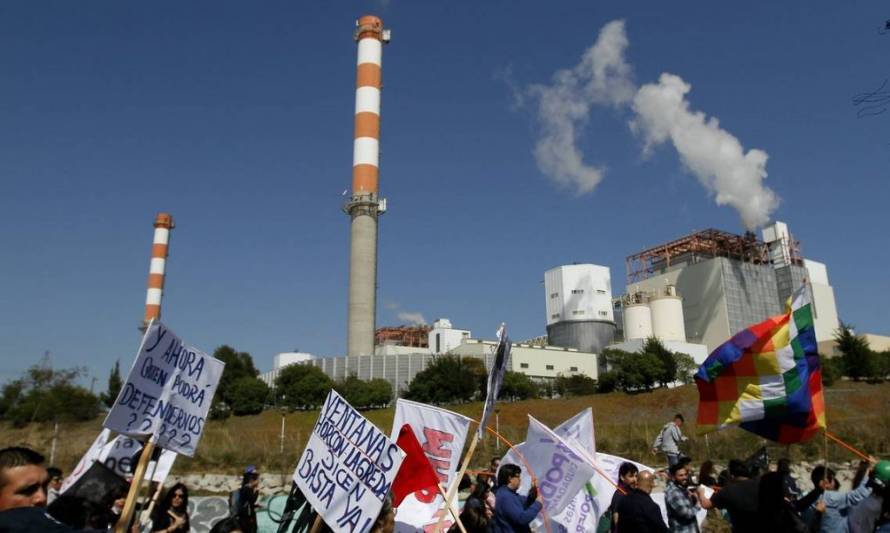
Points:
[(511, 512)]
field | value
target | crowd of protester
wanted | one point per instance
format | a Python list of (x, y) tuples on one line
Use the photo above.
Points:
[(749, 495)]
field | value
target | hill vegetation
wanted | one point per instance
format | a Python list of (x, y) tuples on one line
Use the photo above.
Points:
[(626, 425)]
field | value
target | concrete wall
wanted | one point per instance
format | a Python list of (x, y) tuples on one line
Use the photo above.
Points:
[(535, 361)]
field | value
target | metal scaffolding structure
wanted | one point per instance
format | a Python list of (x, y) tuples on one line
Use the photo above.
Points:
[(701, 245), (415, 336)]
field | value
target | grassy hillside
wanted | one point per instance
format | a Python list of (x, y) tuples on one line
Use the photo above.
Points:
[(625, 425)]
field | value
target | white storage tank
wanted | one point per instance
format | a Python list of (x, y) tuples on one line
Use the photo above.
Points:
[(667, 316), (637, 321)]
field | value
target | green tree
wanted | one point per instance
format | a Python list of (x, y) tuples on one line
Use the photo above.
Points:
[(668, 373), (882, 364), (238, 365), (44, 395), (607, 382), (517, 386), (449, 378), (546, 388), (379, 393), (302, 386), (855, 353), (114, 385), (633, 372), (248, 396), (355, 391), (575, 385), (686, 368), (832, 370)]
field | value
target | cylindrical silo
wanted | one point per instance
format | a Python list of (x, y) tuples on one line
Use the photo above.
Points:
[(667, 318), (637, 321)]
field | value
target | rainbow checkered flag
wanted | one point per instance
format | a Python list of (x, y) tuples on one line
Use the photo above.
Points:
[(766, 379)]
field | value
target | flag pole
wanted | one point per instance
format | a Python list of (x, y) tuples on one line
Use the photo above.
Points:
[(849, 447), (130, 503), (451, 509), (453, 488)]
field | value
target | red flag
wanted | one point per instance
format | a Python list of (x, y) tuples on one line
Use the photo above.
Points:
[(416, 472)]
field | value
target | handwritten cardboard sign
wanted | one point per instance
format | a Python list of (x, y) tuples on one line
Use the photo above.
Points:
[(347, 467), (168, 392)]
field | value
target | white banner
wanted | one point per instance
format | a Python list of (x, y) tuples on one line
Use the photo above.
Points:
[(561, 467), (168, 392), (579, 427), (118, 456), (164, 466), (347, 467), (442, 434), (87, 460)]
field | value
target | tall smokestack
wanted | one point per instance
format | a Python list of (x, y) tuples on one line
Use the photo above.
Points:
[(365, 205), (157, 268)]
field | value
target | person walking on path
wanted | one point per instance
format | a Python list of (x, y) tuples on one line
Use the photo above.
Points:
[(669, 439)]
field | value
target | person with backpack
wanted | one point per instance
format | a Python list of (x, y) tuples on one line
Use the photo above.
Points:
[(669, 439), (242, 502)]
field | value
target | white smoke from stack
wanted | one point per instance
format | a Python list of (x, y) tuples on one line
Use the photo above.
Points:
[(414, 319), (601, 77), (662, 113), (712, 154)]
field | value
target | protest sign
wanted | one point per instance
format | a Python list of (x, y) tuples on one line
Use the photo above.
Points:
[(168, 392), (347, 467), (579, 427), (86, 461), (161, 470), (442, 434), (120, 456), (562, 468)]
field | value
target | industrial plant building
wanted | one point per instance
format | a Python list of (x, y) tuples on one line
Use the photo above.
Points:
[(692, 294), (729, 282), (399, 364)]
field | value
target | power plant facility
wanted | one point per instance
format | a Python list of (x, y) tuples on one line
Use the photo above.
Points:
[(692, 293)]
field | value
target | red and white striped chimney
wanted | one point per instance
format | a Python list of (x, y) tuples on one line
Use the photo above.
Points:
[(158, 266), (365, 205)]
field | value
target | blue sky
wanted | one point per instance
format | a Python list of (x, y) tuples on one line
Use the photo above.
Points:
[(237, 118)]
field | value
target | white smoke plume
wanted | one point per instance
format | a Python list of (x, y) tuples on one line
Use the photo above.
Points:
[(414, 319), (662, 113), (601, 77), (712, 154)]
